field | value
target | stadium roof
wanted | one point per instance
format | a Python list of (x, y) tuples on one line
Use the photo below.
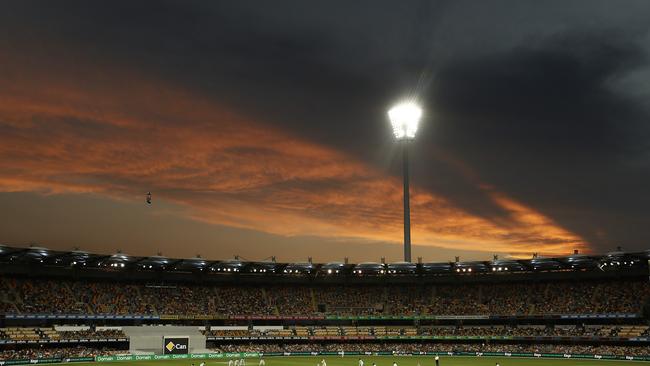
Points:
[(40, 256)]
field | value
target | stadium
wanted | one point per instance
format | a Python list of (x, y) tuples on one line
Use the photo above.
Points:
[(81, 307), (329, 183)]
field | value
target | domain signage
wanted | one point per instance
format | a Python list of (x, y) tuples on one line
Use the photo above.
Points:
[(176, 345)]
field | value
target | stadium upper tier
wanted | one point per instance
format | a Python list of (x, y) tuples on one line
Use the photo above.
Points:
[(28, 295)]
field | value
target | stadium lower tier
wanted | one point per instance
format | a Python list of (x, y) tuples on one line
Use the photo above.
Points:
[(21, 295), (337, 349), (605, 334), (34, 353), (57, 334), (387, 332), (415, 348)]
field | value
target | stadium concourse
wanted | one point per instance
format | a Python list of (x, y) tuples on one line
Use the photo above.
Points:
[(76, 306)]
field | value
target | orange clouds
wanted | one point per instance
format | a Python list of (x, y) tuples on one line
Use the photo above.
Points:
[(123, 140)]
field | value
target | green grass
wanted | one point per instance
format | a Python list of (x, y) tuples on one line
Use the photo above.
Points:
[(382, 361)]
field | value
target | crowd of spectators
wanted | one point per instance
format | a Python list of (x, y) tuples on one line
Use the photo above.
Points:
[(92, 334), (49, 296), (462, 331), (81, 351), (352, 300), (231, 333), (292, 300), (238, 301), (520, 299), (84, 297), (100, 297), (64, 352), (437, 347), (37, 334), (522, 331)]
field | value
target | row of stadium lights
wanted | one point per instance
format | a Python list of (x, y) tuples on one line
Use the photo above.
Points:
[(617, 263), (361, 272), (494, 269), (115, 265), (331, 271), (226, 269), (358, 271)]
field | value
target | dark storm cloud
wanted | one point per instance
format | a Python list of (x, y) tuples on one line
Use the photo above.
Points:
[(554, 93), (521, 97), (543, 123)]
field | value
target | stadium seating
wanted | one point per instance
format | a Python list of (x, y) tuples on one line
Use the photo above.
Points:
[(63, 352), (27, 296), (435, 347), (302, 317), (36, 334), (626, 331)]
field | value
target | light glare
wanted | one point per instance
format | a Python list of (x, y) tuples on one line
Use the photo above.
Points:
[(405, 118)]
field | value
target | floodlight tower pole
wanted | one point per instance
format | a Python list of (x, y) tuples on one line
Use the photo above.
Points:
[(404, 119), (407, 208)]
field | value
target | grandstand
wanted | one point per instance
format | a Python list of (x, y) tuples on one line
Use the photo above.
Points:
[(63, 305)]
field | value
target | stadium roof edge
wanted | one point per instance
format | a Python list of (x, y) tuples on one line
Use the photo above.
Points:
[(8, 249)]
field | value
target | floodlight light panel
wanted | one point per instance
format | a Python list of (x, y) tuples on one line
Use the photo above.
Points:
[(404, 119)]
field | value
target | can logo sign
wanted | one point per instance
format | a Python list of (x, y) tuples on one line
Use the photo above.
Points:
[(170, 346), (176, 346)]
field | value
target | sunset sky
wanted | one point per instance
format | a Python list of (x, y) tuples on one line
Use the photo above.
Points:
[(260, 127)]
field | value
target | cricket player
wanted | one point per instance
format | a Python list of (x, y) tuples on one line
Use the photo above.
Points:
[(360, 362), (323, 363), (230, 363), (262, 362), (437, 360)]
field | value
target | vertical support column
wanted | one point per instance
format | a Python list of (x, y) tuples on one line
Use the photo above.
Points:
[(407, 208)]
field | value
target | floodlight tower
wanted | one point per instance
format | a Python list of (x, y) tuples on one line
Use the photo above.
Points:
[(404, 118)]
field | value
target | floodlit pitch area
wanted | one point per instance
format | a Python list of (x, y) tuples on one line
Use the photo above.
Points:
[(387, 361)]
